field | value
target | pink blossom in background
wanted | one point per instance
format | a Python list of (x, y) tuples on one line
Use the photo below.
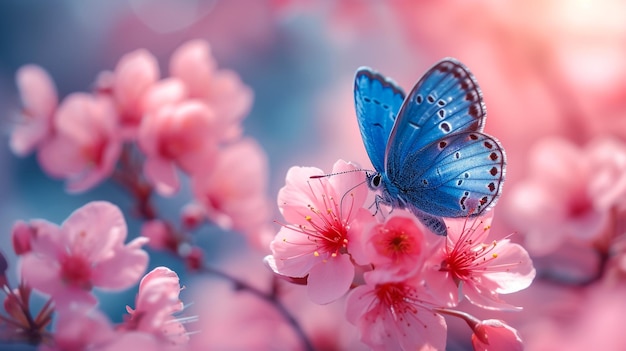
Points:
[(181, 135), (86, 145), (221, 89), (470, 265), (596, 322), (134, 74), (39, 101), (317, 238), (87, 251), (569, 193), (157, 300), (395, 315), (233, 191)]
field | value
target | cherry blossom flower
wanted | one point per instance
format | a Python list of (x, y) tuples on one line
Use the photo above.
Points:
[(87, 251), (86, 145), (481, 270), (39, 100), (156, 301), (182, 135), (401, 244), (395, 315), (569, 192), (221, 89), (317, 241), (233, 191)]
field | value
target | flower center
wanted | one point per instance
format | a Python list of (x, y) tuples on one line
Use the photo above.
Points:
[(397, 297), (76, 271)]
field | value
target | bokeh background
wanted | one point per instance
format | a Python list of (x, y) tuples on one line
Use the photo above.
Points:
[(546, 68)]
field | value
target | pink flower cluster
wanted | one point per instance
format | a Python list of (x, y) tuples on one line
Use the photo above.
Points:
[(399, 278), (189, 122), (67, 262)]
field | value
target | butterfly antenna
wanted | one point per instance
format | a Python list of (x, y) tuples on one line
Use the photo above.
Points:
[(367, 171), (338, 173)]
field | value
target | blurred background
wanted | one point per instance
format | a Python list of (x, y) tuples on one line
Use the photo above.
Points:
[(547, 69)]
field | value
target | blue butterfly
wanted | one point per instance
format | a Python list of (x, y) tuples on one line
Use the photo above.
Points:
[(428, 149)]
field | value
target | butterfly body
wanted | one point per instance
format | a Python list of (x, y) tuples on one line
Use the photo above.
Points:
[(428, 148)]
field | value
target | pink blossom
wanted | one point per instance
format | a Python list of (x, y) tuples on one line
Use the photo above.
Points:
[(316, 242), (495, 335), (192, 215), (395, 315), (569, 192), (86, 145), (156, 301), (221, 89), (182, 135), (86, 251), (134, 74), (159, 233), (233, 191), (39, 100), (400, 244), (480, 269)]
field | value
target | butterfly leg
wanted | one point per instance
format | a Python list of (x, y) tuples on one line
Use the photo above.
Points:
[(378, 200)]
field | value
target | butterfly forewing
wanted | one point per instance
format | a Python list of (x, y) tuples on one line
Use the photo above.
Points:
[(445, 101), (377, 102), (455, 176)]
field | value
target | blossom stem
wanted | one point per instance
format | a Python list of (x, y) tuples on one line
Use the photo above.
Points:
[(129, 177)]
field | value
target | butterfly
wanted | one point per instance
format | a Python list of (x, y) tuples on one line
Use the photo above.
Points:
[(427, 148)]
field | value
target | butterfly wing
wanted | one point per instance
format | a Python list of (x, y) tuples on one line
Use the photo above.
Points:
[(446, 100), (377, 100), (459, 175)]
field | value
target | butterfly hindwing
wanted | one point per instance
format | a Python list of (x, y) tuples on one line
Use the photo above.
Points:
[(446, 100), (456, 176), (377, 100)]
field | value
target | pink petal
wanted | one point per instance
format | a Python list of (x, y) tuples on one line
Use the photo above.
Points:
[(60, 157), (134, 74), (231, 100), (80, 327), (123, 268), (517, 272), (193, 64), (330, 280), (162, 174), (169, 91), (27, 136), (98, 173), (95, 230), (293, 253), (41, 272), (37, 90), (39, 98)]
